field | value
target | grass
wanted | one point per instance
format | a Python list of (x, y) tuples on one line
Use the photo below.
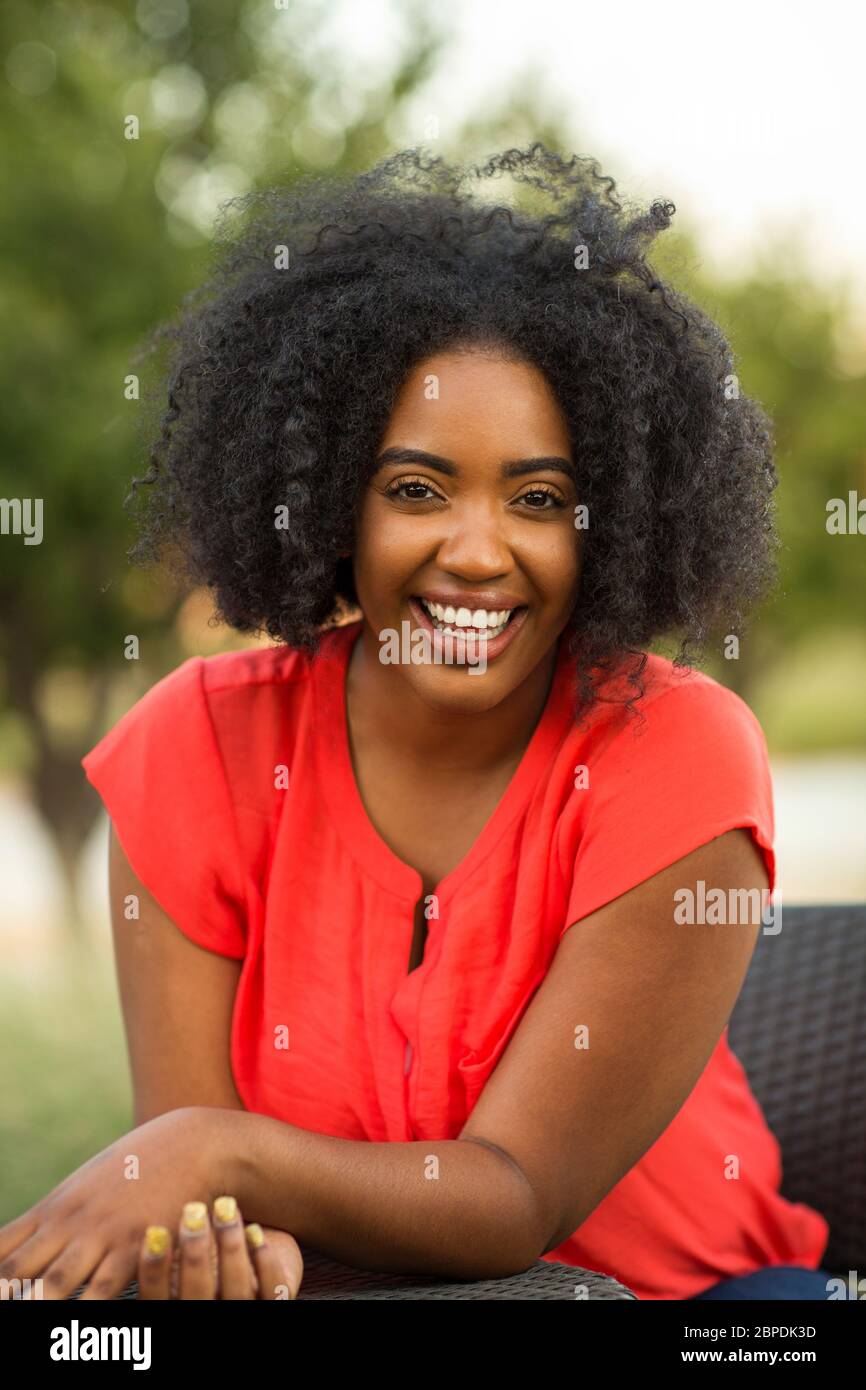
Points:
[(65, 1092)]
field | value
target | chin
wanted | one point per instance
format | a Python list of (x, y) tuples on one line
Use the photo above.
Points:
[(456, 688)]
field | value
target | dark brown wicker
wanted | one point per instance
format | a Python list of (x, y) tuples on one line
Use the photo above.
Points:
[(799, 1029), (324, 1278)]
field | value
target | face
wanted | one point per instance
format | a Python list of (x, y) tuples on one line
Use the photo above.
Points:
[(451, 517)]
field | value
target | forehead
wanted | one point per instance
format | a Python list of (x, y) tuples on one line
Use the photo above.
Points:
[(474, 399)]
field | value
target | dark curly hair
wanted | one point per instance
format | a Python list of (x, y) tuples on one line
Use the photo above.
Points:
[(286, 365)]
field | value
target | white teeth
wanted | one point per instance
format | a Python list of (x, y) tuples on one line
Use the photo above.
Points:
[(481, 618), (485, 622)]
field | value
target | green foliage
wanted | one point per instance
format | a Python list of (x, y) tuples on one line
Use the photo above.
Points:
[(66, 1090), (795, 352), (103, 235)]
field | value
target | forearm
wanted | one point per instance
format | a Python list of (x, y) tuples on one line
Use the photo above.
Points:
[(450, 1207)]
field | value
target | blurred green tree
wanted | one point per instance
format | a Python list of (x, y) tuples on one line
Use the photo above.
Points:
[(103, 235), (797, 350)]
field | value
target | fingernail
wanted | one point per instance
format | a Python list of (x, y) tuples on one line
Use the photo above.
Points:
[(225, 1210), (157, 1240), (194, 1216), (255, 1236)]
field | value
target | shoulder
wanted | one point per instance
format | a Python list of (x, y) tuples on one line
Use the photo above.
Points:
[(682, 709), (252, 689), (218, 705), (647, 788), (230, 673), (690, 749), (198, 749), (237, 680)]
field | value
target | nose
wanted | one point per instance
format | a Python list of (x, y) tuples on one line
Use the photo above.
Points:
[(475, 544)]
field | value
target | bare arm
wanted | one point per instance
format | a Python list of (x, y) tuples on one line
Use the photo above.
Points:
[(556, 1127), (520, 1178), (177, 1004), (655, 996)]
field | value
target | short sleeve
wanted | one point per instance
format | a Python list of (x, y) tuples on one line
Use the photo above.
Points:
[(695, 769), (160, 776)]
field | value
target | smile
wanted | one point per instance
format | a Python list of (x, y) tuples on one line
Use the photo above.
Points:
[(487, 631), (483, 622)]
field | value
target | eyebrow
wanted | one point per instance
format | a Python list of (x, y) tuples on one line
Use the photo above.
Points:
[(511, 468)]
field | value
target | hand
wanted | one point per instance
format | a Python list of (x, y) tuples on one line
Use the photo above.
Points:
[(90, 1227), (220, 1259)]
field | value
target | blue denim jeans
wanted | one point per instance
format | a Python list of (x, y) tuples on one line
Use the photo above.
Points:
[(781, 1281)]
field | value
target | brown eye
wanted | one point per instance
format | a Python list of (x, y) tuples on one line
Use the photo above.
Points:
[(399, 490), (543, 492)]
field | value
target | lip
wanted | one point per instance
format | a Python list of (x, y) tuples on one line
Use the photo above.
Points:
[(492, 647), (490, 599)]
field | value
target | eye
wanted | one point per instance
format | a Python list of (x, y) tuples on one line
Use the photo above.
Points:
[(398, 490), (543, 492)]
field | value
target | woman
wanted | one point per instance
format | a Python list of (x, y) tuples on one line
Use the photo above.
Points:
[(397, 902)]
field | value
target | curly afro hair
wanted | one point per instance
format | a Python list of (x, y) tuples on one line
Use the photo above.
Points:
[(286, 364)]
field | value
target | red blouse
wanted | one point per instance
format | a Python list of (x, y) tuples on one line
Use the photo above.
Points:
[(231, 787)]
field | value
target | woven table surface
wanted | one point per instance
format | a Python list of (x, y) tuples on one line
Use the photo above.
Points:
[(325, 1278)]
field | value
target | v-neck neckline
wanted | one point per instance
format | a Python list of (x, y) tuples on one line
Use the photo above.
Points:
[(337, 774)]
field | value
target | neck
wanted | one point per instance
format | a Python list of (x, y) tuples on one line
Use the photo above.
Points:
[(382, 704)]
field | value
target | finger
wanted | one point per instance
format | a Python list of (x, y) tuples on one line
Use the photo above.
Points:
[(14, 1233), (154, 1264), (237, 1278), (72, 1268), (35, 1255), (197, 1272), (279, 1269), (111, 1276)]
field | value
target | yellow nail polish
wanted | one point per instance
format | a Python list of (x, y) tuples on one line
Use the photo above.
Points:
[(255, 1236), (194, 1216), (225, 1209), (157, 1240)]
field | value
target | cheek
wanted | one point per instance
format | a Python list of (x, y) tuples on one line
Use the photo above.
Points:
[(554, 558), (385, 531), (385, 545)]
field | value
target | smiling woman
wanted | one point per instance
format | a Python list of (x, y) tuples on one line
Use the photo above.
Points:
[(475, 531), (401, 983)]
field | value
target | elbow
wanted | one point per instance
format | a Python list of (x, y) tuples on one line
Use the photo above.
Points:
[(503, 1251), (514, 1225)]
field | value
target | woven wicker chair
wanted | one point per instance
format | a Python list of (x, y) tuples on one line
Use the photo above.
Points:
[(799, 1029), (324, 1278)]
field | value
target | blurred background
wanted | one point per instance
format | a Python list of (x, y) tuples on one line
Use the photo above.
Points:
[(750, 120)]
